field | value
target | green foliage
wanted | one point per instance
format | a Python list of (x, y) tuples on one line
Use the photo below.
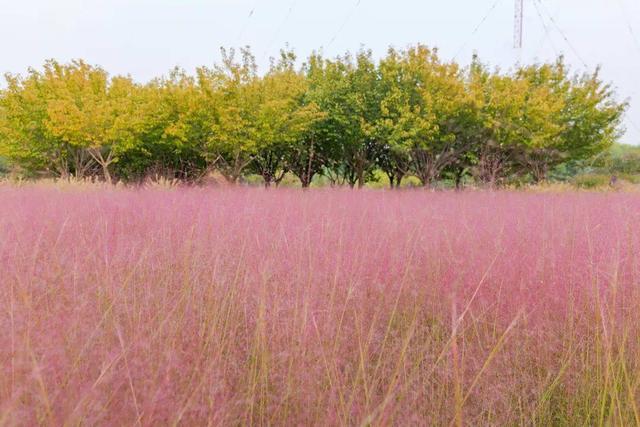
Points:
[(348, 120), (591, 181), (580, 118), (620, 159), (4, 167)]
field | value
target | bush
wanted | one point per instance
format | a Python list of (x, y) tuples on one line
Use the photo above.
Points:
[(631, 178), (4, 167), (591, 181), (253, 180)]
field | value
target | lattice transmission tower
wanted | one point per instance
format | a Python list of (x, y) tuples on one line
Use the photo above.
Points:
[(518, 24)]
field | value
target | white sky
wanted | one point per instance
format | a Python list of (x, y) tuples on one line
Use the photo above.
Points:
[(145, 38)]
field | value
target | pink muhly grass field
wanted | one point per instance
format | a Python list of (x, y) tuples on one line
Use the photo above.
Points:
[(327, 307)]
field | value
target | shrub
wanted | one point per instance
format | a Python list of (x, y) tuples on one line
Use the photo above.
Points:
[(591, 181)]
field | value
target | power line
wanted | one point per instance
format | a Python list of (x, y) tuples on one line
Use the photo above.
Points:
[(477, 28), (247, 21), (564, 35), (287, 15), (344, 23), (546, 31), (629, 26)]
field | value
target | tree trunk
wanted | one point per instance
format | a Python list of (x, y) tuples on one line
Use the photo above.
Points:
[(61, 166), (81, 162), (391, 180), (267, 177), (305, 179), (106, 173), (395, 179), (97, 157), (539, 171), (306, 182), (459, 174), (360, 171), (427, 177)]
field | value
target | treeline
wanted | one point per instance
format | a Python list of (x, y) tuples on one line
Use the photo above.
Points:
[(349, 119)]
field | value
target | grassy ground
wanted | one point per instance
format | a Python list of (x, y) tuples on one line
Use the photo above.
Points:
[(329, 307)]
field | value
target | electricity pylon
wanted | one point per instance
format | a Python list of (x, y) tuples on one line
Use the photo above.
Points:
[(518, 23)]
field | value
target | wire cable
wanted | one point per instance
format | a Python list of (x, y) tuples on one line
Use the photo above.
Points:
[(634, 124), (477, 28), (287, 15), (564, 35), (625, 17), (247, 21), (547, 30), (344, 23)]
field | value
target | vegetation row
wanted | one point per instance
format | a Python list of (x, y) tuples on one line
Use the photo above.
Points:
[(350, 119)]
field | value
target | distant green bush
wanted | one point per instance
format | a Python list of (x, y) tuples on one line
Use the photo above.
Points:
[(254, 180), (4, 167), (590, 181), (630, 177)]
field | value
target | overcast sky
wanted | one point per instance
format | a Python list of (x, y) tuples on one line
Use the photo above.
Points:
[(145, 38)]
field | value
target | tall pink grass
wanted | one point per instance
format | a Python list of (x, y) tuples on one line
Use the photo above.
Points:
[(238, 306)]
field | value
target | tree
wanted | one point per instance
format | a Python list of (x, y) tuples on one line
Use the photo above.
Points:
[(408, 114), (315, 148), (171, 126), (234, 136), (591, 117), (26, 137), (355, 106), (423, 111), (401, 123), (94, 113), (115, 123), (564, 118), (498, 101), (78, 113), (284, 117), (77, 118)]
